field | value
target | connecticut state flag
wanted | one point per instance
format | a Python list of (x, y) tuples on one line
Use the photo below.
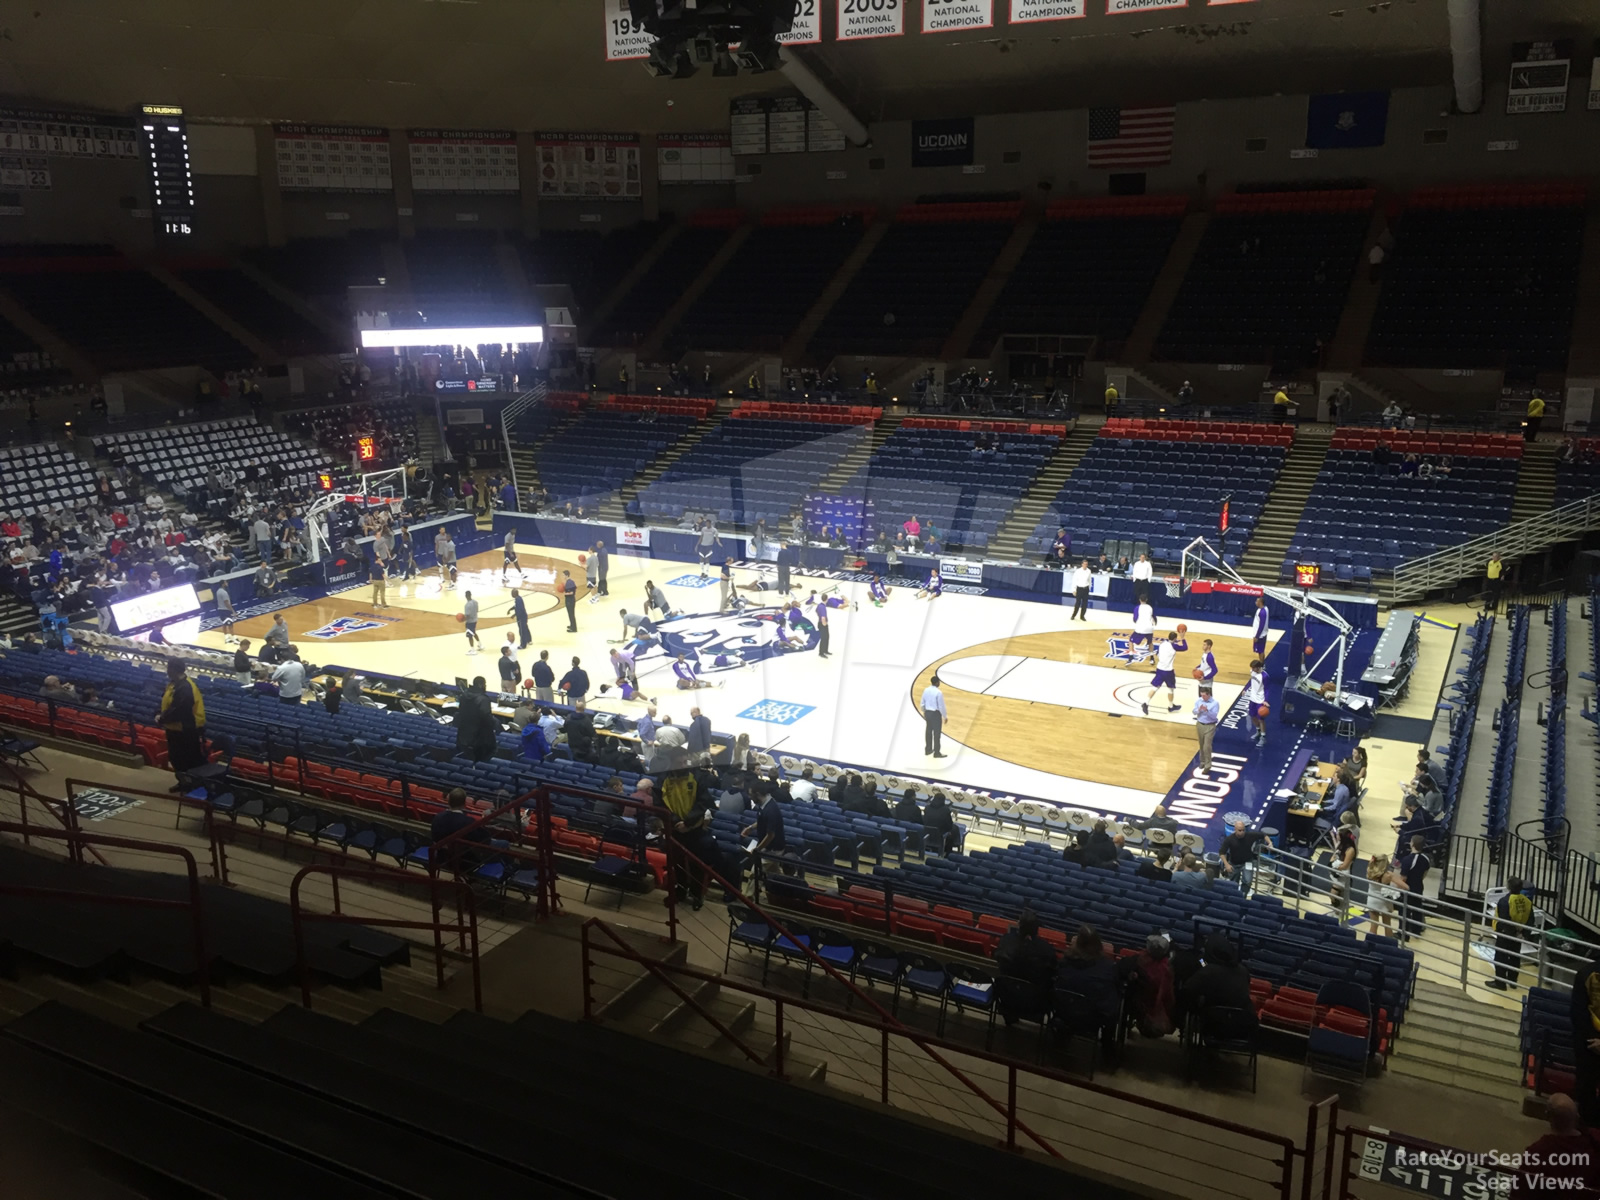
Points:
[(1346, 120)]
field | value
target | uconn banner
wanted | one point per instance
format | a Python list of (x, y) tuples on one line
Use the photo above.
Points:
[(942, 143)]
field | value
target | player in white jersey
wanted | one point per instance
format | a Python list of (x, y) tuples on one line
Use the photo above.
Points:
[(1208, 664), (1259, 625), (1255, 694), (1166, 675), (1144, 628)]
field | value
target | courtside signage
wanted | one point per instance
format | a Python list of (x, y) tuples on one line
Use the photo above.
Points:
[(1024, 11), (871, 19), (959, 570), (629, 537), (941, 16)]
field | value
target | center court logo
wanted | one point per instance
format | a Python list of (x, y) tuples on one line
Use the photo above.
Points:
[(1122, 649), (343, 625), (723, 642), (692, 581)]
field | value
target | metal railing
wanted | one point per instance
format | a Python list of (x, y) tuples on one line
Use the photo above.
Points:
[(1415, 579), (464, 926), (78, 838), (508, 417), (1066, 1117)]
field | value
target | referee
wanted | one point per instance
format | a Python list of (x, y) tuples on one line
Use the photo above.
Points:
[(934, 715)]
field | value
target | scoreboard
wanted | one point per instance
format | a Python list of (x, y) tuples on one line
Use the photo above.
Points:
[(166, 149)]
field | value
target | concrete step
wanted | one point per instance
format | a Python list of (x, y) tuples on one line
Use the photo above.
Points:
[(1469, 1081), (1491, 1046)]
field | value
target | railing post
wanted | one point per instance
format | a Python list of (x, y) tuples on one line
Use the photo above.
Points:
[(1466, 944), (883, 1093), (777, 1044), (1309, 1163), (1011, 1106), (588, 974)]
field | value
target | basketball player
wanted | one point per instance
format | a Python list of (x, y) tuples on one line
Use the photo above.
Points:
[(592, 579), (1166, 675), (1208, 665), (224, 611), (510, 559), (689, 675), (934, 588), (710, 543), (1258, 628), (655, 598), (643, 628), (878, 591), (1144, 628), (627, 675), (444, 546), (828, 599), (1256, 702), (469, 610)]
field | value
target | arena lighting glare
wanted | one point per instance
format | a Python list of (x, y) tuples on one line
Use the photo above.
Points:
[(488, 335)]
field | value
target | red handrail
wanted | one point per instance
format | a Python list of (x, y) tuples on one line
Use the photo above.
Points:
[(193, 903), (892, 1027), (466, 928)]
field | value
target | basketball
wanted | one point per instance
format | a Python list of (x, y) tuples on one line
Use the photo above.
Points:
[(582, 559), (1199, 672), (1182, 629), (461, 616), (528, 683), (1263, 712)]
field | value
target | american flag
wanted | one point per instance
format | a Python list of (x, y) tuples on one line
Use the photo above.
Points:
[(1131, 137)]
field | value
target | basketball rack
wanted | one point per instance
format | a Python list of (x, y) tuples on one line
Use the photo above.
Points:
[(378, 490), (1199, 558)]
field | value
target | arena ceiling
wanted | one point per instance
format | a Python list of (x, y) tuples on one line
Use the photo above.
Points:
[(539, 64)]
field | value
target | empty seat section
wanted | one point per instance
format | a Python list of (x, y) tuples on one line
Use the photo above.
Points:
[(1581, 476), (119, 315), (1369, 518), (756, 465), (943, 476), (1269, 280), (765, 289), (258, 310), (1482, 277), (323, 267), (1162, 482), (178, 457), (589, 261), (32, 477), (1088, 269), (596, 455), (644, 304), (459, 266), (917, 281)]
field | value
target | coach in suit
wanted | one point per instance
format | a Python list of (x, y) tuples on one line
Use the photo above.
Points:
[(569, 595), (786, 557)]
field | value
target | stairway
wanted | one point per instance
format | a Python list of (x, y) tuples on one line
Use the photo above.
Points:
[(1360, 304), (1263, 558), (1453, 1040), (16, 617), (865, 449), (1536, 481), (1014, 530), (1142, 341), (615, 506), (525, 458), (430, 443), (967, 326), (795, 346)]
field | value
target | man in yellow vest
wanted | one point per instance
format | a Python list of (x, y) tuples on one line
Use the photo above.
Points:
[(1530, 429), (1496, 572), (1512, 917), (1111, 401)]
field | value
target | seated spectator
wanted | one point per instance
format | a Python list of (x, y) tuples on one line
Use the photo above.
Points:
[(805, 789), (1414, 820), (580, 732), (907, 809), (1563, 1162), (938, 822), (54, 689), (1028, 964), (1088, 995), (455, 818), (1158, 820), (1159, 870), (1220, 983), (1099, 849), (1191, 872), (1147, 980)]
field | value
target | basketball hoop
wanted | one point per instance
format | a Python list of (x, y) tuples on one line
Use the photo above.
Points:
[(1174, 585)]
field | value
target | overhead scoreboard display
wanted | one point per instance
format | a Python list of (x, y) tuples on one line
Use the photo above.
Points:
[(166, 149)]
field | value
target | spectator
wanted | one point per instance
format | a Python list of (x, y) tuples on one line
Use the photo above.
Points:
[(54, 689), (183, 716), (699, 734), (1413, 866), (475, 723), (1220, 983), (939, 824), (1564, 1162), (1028, 965), (543, 679), (575, 683), (804, 789), (1147, 982), (241, 662), (1239, 854), (454, 819), (1089, 974), (1099, 850), (290, 676), (908, 809), (510, 671), (767, 829), (1513, 918), (1383, 893), (580, 732)]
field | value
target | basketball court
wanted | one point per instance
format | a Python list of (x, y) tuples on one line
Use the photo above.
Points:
[(1040, 706)]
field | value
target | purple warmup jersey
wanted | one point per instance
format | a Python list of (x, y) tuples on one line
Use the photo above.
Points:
[(878, 590), (684, 670), (1208, 663)]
